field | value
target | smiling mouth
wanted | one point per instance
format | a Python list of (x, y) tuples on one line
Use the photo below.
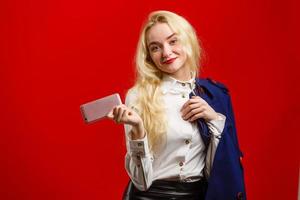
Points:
[(169, 61)]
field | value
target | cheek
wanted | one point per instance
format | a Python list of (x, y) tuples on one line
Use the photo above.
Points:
[(181, 51), (178, 47), (156, 58), (178, 50)]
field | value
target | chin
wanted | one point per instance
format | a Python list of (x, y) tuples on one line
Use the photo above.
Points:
[(169, 70)]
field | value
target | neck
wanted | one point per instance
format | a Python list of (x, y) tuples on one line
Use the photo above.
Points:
[(182, 75)]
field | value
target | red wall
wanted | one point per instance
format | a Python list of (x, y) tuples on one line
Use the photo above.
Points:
[(56, 55)]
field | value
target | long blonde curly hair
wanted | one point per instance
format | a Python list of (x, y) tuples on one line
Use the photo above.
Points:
[(149, 101)]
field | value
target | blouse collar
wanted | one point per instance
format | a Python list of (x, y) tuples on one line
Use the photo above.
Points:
[(171, 84)]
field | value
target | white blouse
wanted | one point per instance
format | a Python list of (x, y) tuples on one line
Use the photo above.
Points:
[(183, 157)]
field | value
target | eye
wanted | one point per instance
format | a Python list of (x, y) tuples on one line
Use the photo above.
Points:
[(173, 41), (154, 48)]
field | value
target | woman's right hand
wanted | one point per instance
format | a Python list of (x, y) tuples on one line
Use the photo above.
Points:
[(125, 115)]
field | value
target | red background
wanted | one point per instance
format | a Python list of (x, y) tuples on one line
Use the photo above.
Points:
[(56, 55)]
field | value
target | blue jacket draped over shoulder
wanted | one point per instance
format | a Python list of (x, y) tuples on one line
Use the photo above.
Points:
[(226, 180)]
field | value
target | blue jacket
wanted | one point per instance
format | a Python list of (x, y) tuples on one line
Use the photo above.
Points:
[(226, 181)]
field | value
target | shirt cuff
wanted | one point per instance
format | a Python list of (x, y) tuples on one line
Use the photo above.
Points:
[(218, 124), (138, 147)]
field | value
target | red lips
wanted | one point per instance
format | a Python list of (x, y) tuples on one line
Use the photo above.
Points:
[(169, 61)]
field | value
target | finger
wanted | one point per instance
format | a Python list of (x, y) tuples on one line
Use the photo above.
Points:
[(185, 104), (198, 98), (197, 116), (189, 107), (110, 114), (116, 113), (119, 115), (123, 106), (188, 102), (193, 112), (125, 116)]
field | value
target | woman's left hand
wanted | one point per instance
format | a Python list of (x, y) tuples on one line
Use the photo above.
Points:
[(196, 108)]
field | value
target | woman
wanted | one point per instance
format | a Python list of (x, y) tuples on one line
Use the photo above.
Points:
[(174, 122)]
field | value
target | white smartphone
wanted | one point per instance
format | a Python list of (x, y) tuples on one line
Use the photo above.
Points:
[(98, 109)]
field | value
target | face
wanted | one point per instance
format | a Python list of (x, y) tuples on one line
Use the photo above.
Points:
[(167, 52)]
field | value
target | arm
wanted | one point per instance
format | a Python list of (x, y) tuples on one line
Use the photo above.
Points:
[(215, 128), (138, 160)]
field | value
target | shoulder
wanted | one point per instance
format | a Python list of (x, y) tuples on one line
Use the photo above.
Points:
[(218, 84), (214, 85), (131, 96)]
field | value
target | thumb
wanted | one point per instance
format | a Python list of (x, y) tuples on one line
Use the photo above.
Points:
[(110, 114)]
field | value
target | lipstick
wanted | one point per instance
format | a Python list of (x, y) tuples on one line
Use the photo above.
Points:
[(169, 61)]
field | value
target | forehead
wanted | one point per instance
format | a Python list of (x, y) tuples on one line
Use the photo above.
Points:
[(158, 33)]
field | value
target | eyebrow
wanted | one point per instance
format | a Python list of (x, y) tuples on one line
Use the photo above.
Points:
[(154, 42)]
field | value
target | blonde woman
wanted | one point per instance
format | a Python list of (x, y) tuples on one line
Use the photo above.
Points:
[(180, 129)]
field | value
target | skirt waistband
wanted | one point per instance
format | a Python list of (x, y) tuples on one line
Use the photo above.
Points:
[(180, 185), (166, 190)]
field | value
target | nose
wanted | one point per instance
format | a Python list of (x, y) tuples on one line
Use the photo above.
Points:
[(167, 51)]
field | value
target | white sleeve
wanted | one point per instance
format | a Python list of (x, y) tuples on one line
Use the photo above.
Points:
[(138, 160), (216, 128)]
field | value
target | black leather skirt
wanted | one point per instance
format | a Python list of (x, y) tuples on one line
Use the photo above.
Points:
[(167, 190)]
